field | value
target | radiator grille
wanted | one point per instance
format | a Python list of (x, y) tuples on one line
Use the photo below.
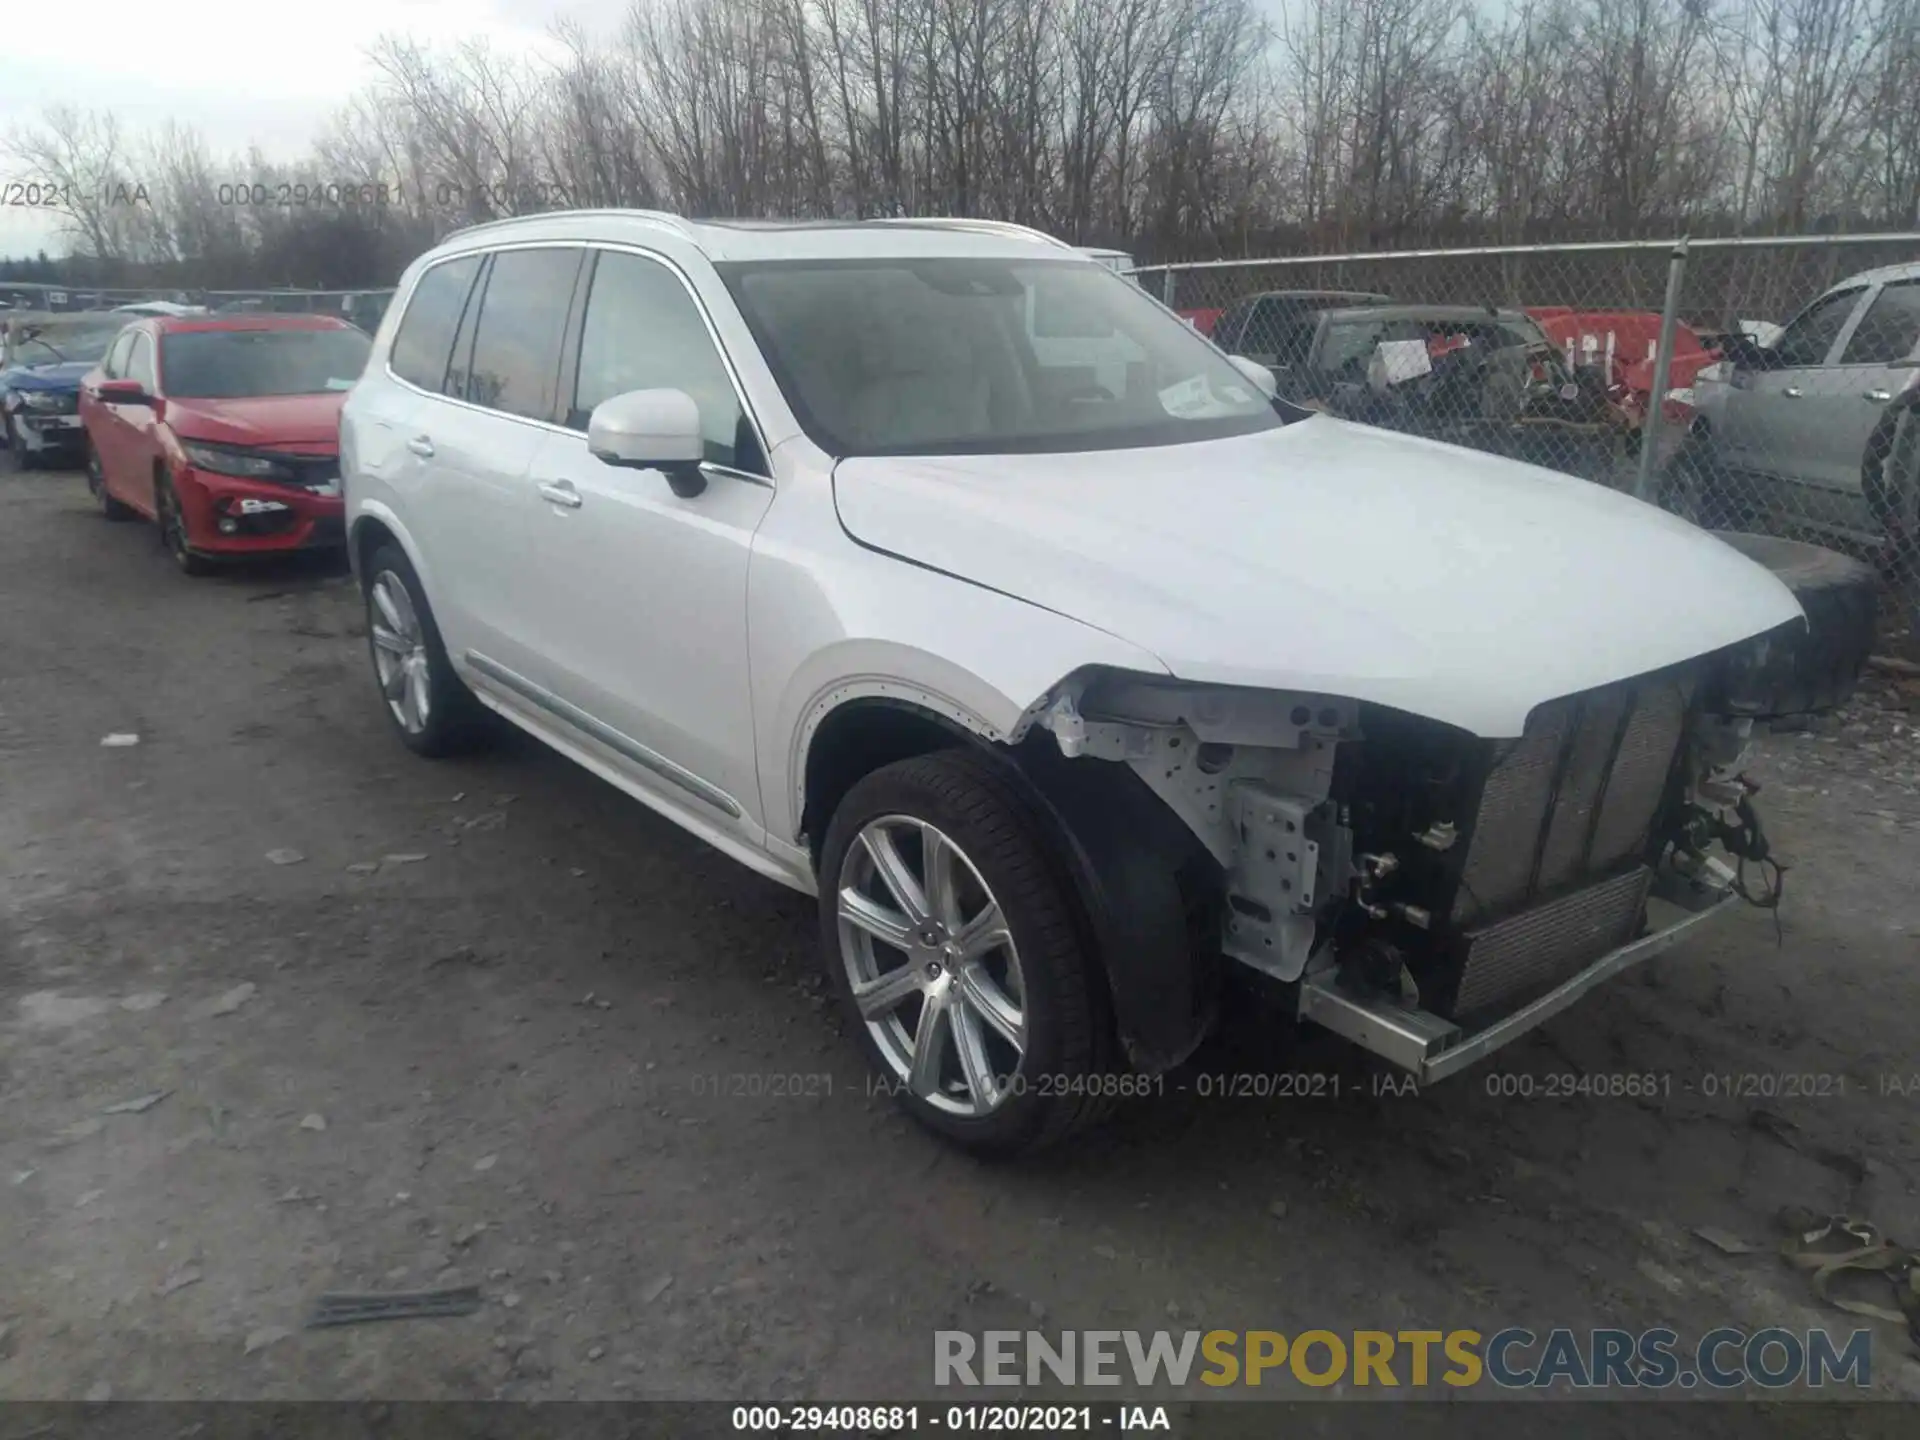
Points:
[(1576, 795), (1535, 950)]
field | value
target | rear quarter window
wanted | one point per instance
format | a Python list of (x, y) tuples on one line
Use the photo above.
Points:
[(425, 338)]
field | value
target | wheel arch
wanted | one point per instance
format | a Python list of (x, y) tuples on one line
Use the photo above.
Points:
[(374, 524), (1143, 890)]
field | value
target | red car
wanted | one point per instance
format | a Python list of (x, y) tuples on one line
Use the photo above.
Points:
[(225, 430)]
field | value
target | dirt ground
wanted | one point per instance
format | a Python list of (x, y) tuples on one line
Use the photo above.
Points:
[(497, 1024)]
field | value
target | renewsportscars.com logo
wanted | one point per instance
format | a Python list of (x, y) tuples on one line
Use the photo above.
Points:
[(1513, 1358)]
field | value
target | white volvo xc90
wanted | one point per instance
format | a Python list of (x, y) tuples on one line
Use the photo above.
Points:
[(934, 569)]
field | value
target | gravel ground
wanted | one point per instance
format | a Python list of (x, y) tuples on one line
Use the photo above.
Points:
[(490, 1022)]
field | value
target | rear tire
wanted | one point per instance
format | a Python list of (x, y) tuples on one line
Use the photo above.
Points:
[(110, 508), (430, 707), (1891, 483), (1815, 670), (1015, 1054)]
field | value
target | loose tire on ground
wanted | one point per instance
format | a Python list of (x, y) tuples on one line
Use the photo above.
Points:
[(1816, 669), (1005, 839)]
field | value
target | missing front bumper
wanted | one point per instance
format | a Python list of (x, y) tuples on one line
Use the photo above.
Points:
[(1433, 1047)]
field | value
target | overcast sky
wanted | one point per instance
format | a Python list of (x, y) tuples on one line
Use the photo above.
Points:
[(240, 72)]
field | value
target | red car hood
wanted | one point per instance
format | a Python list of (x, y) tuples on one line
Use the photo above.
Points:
[(294, 421)]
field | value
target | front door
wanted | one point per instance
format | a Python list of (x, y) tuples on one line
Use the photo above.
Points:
[(1762, 428), (640, 603)]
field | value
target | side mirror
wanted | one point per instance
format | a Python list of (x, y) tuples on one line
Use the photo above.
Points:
[(651, 430), (123, 392), (1259, 374)]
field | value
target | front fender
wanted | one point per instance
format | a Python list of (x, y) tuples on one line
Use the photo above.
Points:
[(1149, 893)]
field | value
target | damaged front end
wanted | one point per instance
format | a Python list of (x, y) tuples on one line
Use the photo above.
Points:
[(1431, 894)]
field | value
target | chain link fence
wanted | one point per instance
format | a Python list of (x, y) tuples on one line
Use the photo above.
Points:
[(1766, 385)]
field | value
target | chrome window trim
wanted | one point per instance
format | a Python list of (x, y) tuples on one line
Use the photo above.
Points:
[(620, 247)]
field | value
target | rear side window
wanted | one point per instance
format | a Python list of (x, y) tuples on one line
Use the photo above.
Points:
[(1890, 330), (425, 339), (516, 349)]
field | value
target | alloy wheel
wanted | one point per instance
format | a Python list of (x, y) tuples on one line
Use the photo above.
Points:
[(96, 478), (400, 652), (932, 966)]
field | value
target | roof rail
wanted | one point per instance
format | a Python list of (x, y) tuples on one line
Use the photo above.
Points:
[(983, 227), (655, 217)]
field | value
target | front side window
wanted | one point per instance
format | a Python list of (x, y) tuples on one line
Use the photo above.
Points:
[(935, 356), (516, 344), (642, 331), (1809, 339), (241, 364), (115, 364), (425, 338), (1890, 330)]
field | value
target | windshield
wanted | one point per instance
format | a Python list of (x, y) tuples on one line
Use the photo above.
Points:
[(1350, 344), (65, 347), (243, 364), (984, 356)]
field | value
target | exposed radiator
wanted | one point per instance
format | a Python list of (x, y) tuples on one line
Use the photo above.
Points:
[(1533, 951), (1575, 796)]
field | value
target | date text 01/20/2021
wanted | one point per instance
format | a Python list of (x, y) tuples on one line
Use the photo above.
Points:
[(976, 1419)]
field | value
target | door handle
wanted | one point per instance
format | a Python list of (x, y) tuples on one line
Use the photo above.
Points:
[(421, 446), (1793, 392), (560, 492), (1879, 397)]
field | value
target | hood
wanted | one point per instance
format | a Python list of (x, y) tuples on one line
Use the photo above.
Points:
[(303, 421), (1331, 557), (56, 377)]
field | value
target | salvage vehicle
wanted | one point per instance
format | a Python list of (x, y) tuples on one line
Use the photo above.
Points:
[(1075, 702), (1820, 431), (1276, 327), (224, 431), (42, 358), (1471, 375)]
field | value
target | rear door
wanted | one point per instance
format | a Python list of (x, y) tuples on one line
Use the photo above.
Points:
[(101, 424), (129, 430), (1845, 402), (493, 550)]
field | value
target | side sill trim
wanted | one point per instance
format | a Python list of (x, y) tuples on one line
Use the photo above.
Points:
[(608, 736)]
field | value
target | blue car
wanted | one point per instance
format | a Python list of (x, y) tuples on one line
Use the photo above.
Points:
[(41, 366)]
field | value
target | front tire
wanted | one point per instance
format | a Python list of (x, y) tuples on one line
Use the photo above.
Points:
[(949, 932), (19, 457), (432, 710), (172, 525)]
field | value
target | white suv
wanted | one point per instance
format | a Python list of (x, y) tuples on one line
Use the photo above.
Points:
[(1077, 682)]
